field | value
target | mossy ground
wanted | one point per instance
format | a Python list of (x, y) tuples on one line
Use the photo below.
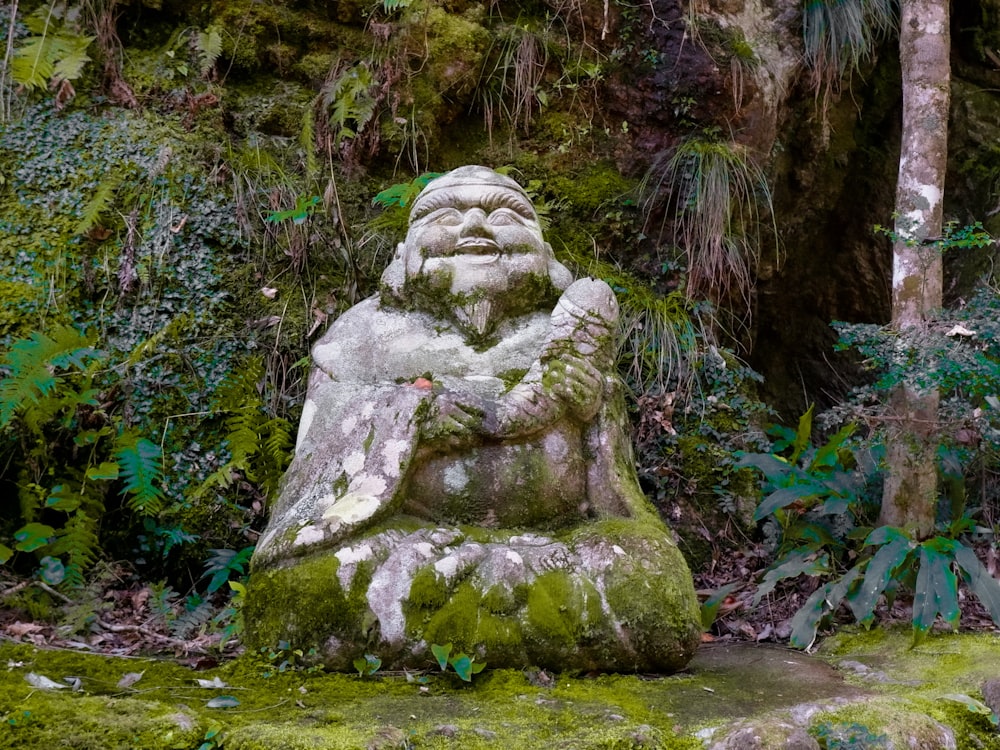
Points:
[(500, 708)]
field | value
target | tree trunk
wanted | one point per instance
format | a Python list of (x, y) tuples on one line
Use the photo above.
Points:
[(910, 493)]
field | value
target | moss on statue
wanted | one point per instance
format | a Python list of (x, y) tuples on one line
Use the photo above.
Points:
[(275, 612)]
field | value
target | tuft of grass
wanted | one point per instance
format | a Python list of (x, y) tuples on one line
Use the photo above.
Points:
[(718, 200), (510, 84), (743, 62), (840, 35)]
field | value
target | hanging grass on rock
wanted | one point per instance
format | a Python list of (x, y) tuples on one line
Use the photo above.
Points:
[(718, 200)]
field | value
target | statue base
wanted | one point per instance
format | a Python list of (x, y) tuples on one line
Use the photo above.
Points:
[(611, 596)]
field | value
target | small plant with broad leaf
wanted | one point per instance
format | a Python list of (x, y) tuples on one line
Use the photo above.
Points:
[(287, 658), (465, 666), (367, 665)]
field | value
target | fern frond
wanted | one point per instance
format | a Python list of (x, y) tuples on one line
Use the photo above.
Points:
[(277, 454), (71, 54), (33, 363), (152, 344), (351, 100), (139, 461), (163, 602), (32, 64), (78, 541), (209, 46), (98, 204), (244, 429), (192, 620), (31, 496), (239, 388)]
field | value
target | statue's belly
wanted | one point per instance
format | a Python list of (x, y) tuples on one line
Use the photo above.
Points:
[(538, 482)]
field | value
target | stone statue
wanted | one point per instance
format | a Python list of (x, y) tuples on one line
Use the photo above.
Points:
[(462, 474)]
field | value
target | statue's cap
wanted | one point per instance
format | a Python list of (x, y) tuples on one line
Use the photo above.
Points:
[(475, 176)]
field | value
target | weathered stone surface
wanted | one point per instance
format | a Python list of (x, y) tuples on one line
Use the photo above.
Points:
[(462, 473)]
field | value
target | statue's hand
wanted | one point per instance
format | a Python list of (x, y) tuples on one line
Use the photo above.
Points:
[(575, 381), (453, 420)]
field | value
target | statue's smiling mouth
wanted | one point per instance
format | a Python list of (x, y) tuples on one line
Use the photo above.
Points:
[(477, 246)]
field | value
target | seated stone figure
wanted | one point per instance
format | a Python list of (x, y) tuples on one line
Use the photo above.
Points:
[(462, 473)]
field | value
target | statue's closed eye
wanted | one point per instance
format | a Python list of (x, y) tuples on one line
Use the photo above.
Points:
[(445, 216), (505, 217)]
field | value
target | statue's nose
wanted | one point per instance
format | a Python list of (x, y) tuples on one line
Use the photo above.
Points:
[(474, 224)]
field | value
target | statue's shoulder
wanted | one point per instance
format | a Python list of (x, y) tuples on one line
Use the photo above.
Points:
[(362, 341)]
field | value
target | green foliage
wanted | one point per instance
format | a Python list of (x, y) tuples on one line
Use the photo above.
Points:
[(54, 52), (286, 658), (259, 444), (465, 666), (69, 453), (208, 44), (924, 567), (222, 564), (840, 35), (822, 479), (139, 462), (100, 203), (955, 354), (36, 367), (350, 100), (367, 665), (810, 486), (303, 208), (402, 194), (952, 237)]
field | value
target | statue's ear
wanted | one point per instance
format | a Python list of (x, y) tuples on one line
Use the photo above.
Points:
[(561, 276), (394, 276)]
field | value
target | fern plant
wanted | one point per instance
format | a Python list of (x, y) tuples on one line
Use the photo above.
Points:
[(259, 444), (54, 52), (66, 454), (351, 101)]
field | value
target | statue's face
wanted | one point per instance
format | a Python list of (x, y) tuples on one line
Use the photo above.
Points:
[(474, 253), (476, 221)]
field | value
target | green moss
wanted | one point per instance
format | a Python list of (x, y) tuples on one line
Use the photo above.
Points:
[(591, 188), (274, 609), (457, 621), (556, 610), (512, 377), (428, 590), (499, 600)]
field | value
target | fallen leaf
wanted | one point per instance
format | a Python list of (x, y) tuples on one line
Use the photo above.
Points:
[(19, 629), (42, 682), (223, 701), (215, 683), (129, 679), (960, 330)]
